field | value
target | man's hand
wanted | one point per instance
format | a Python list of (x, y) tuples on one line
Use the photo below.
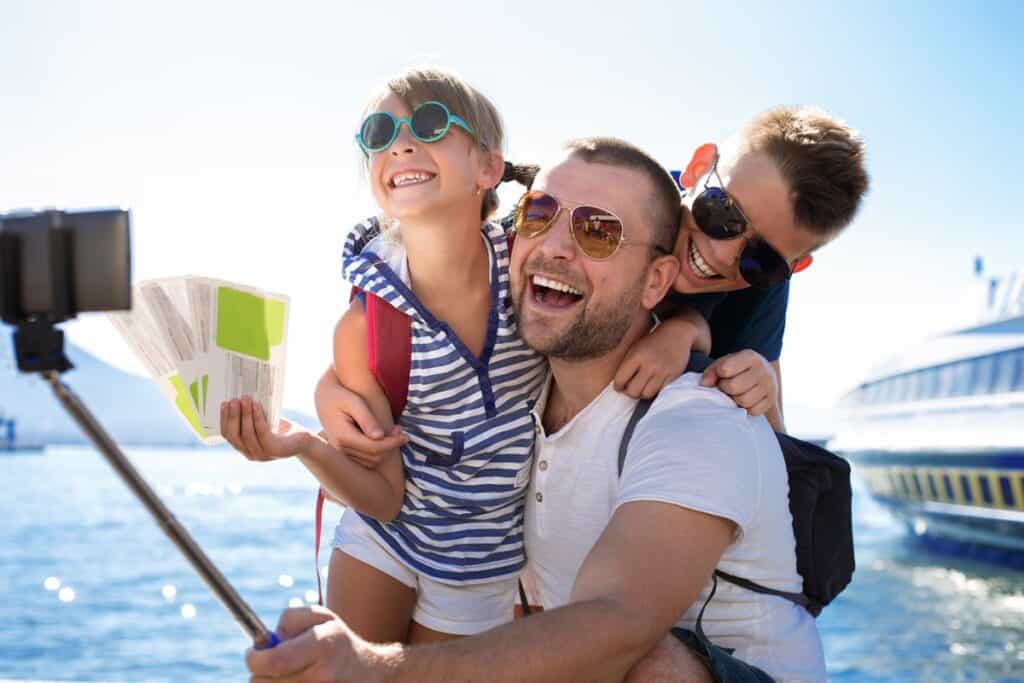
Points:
[(317, 647), (747, 378), (350, 424), (244, 426)]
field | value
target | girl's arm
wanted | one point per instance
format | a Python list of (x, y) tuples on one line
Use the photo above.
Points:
[(377, 492)]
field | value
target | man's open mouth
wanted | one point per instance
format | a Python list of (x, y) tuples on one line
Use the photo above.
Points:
[(699, 266), (553, 293)]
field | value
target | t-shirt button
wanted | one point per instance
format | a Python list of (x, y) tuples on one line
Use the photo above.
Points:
[(543, 465), (540, 497)]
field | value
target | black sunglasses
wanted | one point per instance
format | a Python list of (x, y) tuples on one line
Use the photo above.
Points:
[(719, 217)]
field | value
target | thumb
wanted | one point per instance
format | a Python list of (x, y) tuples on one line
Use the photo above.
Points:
[(284, 426), (295, 620), (709, 377), (360, 413)]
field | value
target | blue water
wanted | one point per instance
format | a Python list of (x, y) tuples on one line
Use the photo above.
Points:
[(908, 616)]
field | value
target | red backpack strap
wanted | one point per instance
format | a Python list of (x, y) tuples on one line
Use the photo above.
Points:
[(389, 350)]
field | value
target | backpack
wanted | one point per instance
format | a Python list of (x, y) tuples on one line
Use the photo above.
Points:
[(820, 503)]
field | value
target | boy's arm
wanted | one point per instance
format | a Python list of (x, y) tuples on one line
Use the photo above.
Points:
[(774, 414), (659, 357)]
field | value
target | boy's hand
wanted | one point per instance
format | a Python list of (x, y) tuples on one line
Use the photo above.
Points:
[(747, 378), (350, 425), (656, 359), (244, 426)]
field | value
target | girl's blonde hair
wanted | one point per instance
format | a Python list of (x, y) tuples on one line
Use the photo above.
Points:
[(420, 85)]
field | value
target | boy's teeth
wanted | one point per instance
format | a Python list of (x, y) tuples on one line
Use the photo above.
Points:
[(699, 264), (541, 281)]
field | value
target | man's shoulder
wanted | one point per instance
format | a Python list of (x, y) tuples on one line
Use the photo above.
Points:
[(691, 414)]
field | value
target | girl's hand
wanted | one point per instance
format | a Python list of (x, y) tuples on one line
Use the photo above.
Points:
[(656, 359), (747, 378), (244, 426), (350, 426)]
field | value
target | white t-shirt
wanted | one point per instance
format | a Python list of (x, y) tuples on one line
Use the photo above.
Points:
[(695, 449)]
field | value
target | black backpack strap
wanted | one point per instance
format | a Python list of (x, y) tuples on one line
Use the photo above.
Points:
[(798, 598), (642, 406), (523, 601)]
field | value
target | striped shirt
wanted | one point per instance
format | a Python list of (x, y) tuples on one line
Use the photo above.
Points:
[(469, 422)]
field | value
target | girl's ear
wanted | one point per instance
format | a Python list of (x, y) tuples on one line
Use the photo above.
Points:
[(493, 169), (803, 263)]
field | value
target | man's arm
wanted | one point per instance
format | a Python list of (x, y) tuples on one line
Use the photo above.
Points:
[(645, 570)]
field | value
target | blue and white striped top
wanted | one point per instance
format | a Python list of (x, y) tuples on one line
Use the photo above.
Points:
[(468, 460)]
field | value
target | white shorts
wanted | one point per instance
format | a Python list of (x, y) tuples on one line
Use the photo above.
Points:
[(463, 610)]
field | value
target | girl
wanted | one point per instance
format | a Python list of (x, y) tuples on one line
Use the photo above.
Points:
[(432, 542)]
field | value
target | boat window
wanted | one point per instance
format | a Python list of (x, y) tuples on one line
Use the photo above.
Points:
[(1004, 364), (986, 490), (899, 389), (949, 488), (1018, 373), (984, 375), (931, 389), (962, 378), (947, 374), (965, 483), (1007, 490)]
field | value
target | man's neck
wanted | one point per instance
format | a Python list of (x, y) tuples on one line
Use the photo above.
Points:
[(576, 383)]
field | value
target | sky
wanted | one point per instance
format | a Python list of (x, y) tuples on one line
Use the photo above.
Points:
[(227, 129)]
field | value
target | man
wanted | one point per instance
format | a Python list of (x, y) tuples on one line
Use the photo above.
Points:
[(616, 562)]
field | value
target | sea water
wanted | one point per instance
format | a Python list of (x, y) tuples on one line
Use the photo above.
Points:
[(91, 589)]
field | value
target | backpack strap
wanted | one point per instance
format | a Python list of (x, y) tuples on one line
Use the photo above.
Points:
[(642, 406), (389, 351)]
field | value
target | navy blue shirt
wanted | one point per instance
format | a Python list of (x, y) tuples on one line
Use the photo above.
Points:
[(744, 319)]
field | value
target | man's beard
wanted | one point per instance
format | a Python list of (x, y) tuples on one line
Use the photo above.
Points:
[(596, 331)]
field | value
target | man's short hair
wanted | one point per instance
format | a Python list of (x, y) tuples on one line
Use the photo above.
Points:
[(663, 207), (820, 158)]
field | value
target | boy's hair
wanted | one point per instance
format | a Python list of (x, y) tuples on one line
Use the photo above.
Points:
[(664, 206), (821, 159), (419, 85)]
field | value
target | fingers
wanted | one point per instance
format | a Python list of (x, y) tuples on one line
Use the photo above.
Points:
[(709, 377), (285, 662), (230, 426), (249, 439), (741, 383), (355, 407), (752, 398), (295, 620), (624, 375), (352, 439)]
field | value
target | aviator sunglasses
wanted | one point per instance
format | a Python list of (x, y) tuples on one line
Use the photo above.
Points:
[(719, 217), (597, 232), (429, 122)]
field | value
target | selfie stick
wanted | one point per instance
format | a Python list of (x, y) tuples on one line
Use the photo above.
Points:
[(262, 638), (39, 348)]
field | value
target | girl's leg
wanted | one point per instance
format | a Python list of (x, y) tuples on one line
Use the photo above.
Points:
[(375, 605)]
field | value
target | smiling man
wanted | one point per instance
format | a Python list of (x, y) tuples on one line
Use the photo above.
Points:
[(616, 561)]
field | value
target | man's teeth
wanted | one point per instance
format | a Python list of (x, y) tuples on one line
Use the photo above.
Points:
[(541, 281), (699, 264), (410, 178)]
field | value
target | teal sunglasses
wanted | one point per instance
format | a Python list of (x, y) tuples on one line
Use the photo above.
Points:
[(429, 122)]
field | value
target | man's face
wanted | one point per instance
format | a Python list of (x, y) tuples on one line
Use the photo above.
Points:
[(709, 265), (604, 297)]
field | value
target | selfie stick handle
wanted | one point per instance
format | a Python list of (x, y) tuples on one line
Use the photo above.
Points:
[(262, 637)]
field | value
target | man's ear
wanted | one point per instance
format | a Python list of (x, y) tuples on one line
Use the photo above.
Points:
[(803, 263), (661, 273)]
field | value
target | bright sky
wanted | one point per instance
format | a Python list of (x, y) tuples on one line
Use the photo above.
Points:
[(227, 129)]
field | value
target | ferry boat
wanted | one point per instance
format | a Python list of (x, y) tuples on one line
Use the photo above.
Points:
[(937, 432)]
